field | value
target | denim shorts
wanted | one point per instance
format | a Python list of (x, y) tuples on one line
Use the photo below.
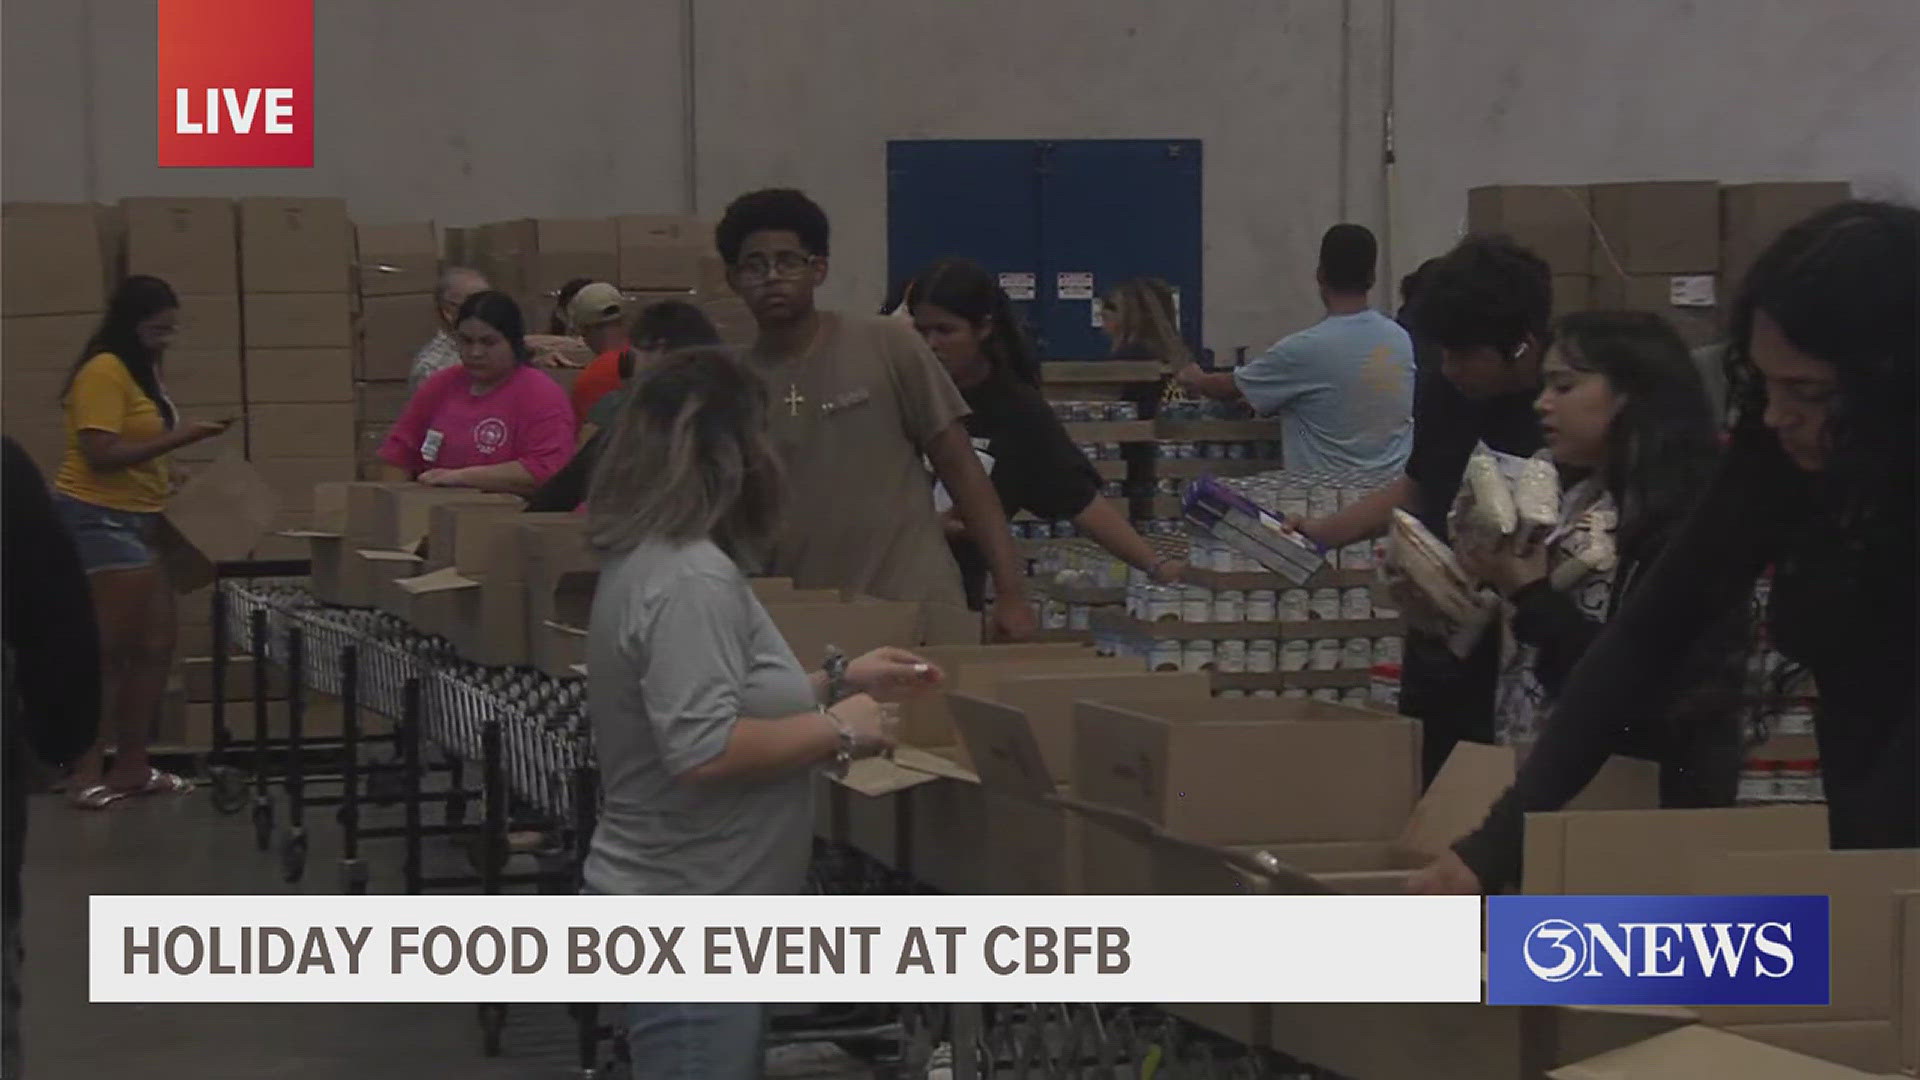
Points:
[(108, 539)]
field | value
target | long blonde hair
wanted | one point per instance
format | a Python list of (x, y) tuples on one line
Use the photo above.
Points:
[(689, 458), (1145, 321)]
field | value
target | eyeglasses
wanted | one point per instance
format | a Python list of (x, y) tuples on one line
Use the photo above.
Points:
[(787, 264)]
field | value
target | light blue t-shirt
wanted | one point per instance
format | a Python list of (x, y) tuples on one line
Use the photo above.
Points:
[(1343, 390)]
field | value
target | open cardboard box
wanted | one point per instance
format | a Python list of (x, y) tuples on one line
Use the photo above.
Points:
[(1695, 1052), (487, 617), (562, 572), (1578, 852), (218, 516), (456, 559), (1906, 1001), (980, 670)]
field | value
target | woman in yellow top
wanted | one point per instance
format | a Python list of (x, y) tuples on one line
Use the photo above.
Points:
[(112, 485)]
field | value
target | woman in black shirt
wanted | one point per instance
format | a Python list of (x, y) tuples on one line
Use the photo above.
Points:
[(970, 325), (1818, 484)]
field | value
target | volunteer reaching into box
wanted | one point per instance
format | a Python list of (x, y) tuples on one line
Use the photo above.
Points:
[(970, 326), (1819, 483), (112, 486), (706, 726), (1627, 420), (493, 422)]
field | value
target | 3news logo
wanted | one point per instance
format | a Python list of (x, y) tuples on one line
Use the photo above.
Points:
[(236, 84), (1657, 950)]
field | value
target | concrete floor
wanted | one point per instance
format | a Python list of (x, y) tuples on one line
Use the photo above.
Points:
[(181, 845)]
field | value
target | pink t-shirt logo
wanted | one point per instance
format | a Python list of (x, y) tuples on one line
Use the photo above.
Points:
[(490, 435)]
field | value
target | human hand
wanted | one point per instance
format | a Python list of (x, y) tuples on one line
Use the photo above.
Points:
[(888, 674), (441, 478), (1315, 530), (1447, 875), (1507, 565), (201, 430), (1013, 619), (1189, 376), (1169, 571), (553, 360), (871, 723)]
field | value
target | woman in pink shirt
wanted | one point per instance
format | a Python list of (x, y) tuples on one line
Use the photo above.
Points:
[(494, 423)]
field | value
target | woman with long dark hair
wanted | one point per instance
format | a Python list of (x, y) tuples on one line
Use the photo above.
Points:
[(971, 327), (112, 485), (1818, 483), (492, 423), (1627, 421), (707, 729)]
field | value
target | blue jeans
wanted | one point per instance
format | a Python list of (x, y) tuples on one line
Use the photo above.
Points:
[(713, 1041), (108, 539)]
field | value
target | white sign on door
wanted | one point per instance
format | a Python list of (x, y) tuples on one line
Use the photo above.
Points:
[(1073, 285), (1018, 286)]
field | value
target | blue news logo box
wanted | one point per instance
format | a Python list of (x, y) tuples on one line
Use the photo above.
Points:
[(1657, 950)]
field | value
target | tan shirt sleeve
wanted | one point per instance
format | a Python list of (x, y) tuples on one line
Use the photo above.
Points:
[(929, 402)]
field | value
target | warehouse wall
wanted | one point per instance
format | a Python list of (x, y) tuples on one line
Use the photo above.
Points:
[(481, 110)]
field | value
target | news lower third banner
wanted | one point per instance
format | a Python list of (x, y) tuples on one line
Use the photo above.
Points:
[(784, 948)]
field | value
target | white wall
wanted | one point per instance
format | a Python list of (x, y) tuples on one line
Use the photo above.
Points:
[(493, 108)]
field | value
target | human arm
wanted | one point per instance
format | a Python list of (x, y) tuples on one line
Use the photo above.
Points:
[(958, 468), (401, 453), (1551, 622), (567, 488), (1118, 536), (1218, 385), (1367, 518), (49, 618), (1633, 667), (506, 477)]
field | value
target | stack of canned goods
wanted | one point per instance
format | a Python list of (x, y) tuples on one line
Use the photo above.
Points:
[(1104, 451), (1770, 782), (1096, 412)]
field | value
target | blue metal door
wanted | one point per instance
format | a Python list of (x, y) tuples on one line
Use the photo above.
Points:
[(1061, 221)]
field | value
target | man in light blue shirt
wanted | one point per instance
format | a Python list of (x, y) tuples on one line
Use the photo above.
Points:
[(1342, 388)]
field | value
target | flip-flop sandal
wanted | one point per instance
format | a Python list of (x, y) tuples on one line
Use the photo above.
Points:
[(162, 783), (97, 797)]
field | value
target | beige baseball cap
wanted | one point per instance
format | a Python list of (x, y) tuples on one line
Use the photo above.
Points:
[(595, 305)]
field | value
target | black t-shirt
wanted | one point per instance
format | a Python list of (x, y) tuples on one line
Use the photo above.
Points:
[(1446, 426), (1036, 466)]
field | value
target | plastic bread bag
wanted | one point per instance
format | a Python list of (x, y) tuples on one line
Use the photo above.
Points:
[(1427, 584), (1484, 507), (1536, 500)]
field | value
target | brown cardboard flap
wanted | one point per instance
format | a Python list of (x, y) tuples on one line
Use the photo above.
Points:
[(1872, 1046), (1000, 743), (1189, 867), (563, 628), (1474, 777), (947, 624), (329, 515), (1049, 700), (1572, 852), (224, 510), (439, 581), (877, 776), (913, 757), (1906, 977), (1694, 1052), (379, 556)]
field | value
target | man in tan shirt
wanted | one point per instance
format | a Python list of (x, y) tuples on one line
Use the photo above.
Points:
[(860, 406)]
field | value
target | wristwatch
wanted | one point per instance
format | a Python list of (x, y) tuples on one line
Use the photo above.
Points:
[(836, 669)]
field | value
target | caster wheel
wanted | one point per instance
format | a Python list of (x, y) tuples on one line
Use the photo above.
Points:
[(229, 788), (293, 858), (262, 824), (493, 1023)]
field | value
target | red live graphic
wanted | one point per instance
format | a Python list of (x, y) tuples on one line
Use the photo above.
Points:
[(236, 84)]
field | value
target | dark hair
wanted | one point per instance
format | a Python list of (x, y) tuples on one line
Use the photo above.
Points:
[(136, 300), (499, 311), (966, 289), (1411, 284), (1663, 444), (1840, 285), (557, 322), (1347, 256), (690, 458), (668, 326), (1148, 326), (1487, 291), (772, 210)]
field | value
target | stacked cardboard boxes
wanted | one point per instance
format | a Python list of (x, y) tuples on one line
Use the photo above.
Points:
[(298, 349), (671, 256), (52, 302), (397, 270), (531, 258)]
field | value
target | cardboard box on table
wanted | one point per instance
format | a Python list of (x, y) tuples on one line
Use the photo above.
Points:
[(355, 516), (191, 244), (396, 259), (456, 554), (397, 525), (562, 572), (486, 617), (52, 259)]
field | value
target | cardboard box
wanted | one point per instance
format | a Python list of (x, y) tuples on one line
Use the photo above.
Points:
[(979, 670), (50, 259), (1694, 1052), (1551, 220), (1861, 886), (398, 517), (562, 572), (313, 430), (853, 628), (392, 330), (1571, 293), (456, 533), (1033, 848), (299, 376), (1698, 323), (395, 259), (197, 679), (192, 244), (49, 343), (1872, 1046), (1753, 215), (208, 321), (381, 403), (297, 321), (295, 245), (295, 480), (661, 251), (1048, 702), (946, 846), (1906, 1000), (488, 609), (713, 275), (1575, 853), (215, 517), (199, 378), (1656, 227), (567, 248)]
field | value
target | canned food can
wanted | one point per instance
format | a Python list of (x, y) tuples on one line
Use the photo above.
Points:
[(1325, 604), (1357, 556), (1110, 451), (1388, 650), (1196, 656), (1165, 656), (1229, 606), (1263, 657), (1063, 530), (1357, 603), (1163, 603), (1188, 451), (1230, 656), (1262, 606), (1323, 501), (1326, 654), (1327, 695), (1079, 617), (1357, 654), (1267, 695), (1296, 655), (1295, 694), (1166, 485), (1238, 451), (1356, 697), (1114, 489), (1231, 694), (1053, 615), (1196, 604), (1295, 605)]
